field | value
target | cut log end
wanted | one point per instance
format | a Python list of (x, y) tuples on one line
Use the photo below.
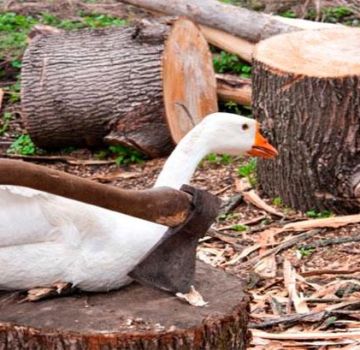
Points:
[(188, 78), (319, 53), (134, 317), (305, 93)]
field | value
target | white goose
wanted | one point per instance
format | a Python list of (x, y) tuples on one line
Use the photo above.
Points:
[(46, 239)]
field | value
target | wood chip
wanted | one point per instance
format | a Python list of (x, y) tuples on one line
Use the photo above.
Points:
[(290, 283), (193, 297), (253, 198), (334, 222), (1, 97), (308, 335)]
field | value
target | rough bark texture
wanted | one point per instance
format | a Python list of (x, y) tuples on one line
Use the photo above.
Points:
[(233, 88), (314, 121), (238, 21), (134, 318), (83, 87)]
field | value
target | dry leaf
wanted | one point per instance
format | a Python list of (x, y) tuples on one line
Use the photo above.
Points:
[(253, 198), (306, 335), (193, 297), (266, 267), (1, 97), (290, 283), (336, 221)]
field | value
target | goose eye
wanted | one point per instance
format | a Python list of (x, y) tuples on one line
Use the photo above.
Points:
[(245, 126)]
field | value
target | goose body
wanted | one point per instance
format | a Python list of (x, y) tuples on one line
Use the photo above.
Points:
[(45, 239)]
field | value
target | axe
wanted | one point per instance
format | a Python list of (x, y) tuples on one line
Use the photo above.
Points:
[(170, 264)]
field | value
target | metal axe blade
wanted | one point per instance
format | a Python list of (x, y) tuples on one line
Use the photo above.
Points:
[(170, 264)]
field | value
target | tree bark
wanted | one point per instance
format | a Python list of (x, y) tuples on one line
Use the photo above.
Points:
[(132, 318), (79, 87), (86, 87), (309, 100), (233, 88), (246, 24)]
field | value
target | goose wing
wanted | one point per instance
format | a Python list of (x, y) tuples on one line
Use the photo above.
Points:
[(23, 216)]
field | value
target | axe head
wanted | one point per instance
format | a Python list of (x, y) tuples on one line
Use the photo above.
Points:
[(170, 264)]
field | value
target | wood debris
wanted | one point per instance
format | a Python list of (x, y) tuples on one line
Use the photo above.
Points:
[(193, 297)]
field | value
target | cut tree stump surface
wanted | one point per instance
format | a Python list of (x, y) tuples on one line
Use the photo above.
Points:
[(132, 317), (305, 92)]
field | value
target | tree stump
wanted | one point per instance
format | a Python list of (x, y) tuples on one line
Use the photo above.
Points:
[(132, 318), (306, 93), (85, 87)]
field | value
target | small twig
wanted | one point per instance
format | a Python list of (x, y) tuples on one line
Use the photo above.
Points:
[(329, 272), (231, 204), (331, 241), (284, 245), (69, 160), (216, 193)]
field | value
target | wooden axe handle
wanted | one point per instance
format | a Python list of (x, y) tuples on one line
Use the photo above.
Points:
[(162, 205)]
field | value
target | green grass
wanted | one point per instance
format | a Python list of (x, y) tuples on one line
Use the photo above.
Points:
[(23, 145), (5, 122), (306, 251), (278, 202), (239, 227), (313, 214), (14, 29), (122, 155), (224, 159), (248, 170), (225, 62)]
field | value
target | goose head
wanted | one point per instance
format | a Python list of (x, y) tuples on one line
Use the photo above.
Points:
[(235, 135)]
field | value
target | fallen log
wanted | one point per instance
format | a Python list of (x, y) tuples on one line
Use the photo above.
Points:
[(89, 87), (233, 88), (243, 23), (135, 317), (307, 100)]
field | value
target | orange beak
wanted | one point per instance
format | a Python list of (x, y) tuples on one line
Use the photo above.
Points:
[(262, 147)]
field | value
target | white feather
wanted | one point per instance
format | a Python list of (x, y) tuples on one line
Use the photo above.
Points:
[(46, 239)]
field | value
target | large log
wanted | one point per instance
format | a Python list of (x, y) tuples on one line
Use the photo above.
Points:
[(86, 87), (132, 318), (246, 24), (306, 93)]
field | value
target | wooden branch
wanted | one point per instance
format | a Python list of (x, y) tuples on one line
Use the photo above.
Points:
[(228, 42), (174, 209), (232, 88), (249, 25)]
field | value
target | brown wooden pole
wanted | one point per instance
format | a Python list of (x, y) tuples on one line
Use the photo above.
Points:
[(162, 205)]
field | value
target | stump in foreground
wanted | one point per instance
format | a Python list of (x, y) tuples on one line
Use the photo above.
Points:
[(86, 87), (134, 317), (306, 92)]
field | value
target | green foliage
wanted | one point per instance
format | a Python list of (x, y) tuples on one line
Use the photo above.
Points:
[(224, 159), (278, 202), (14, 29), (225, 62), (225, 217), (239, 227), (86, 21), (23, 145), (14, 91), (306, 251), (331, 14), (4, 123), (123, 155), (248, 170), (233, 107), (288, 14), (313, 214)]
